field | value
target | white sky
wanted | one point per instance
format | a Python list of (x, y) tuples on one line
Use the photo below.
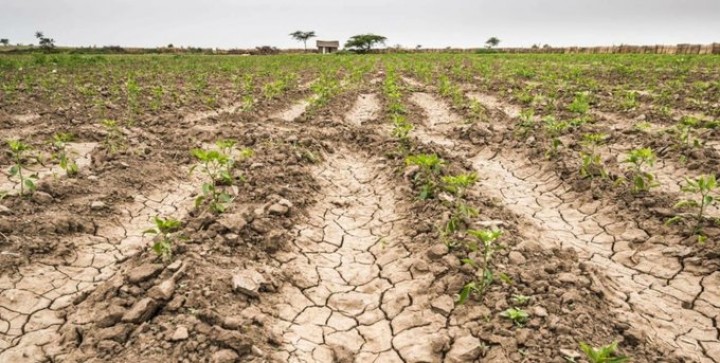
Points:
[(431, 23)]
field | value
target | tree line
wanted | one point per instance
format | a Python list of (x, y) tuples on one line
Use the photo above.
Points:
[(363, 43)]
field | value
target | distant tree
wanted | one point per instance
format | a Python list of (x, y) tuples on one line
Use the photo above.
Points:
[(492, 42), (5, 42), (45, 42), (171, 46), (302, 36), (363, 43), (546, 46), (419, 46)]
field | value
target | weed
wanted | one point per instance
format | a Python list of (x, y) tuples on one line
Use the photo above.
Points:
[(458, 185), (554, 128), (401, 129), (488, 240), (604, 354), (704, 187), (520, 300), (430, 166), (114, 138), (218, 166), (580, 104), (642, 180), (163, 230), (629, 101), (477, 110), (591, 164), (18, 149), (526, 125), (516, 315), (688, 137), (61, 154), (643, 126)]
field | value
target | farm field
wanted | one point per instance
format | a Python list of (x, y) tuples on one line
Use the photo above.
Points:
[(359, 208)]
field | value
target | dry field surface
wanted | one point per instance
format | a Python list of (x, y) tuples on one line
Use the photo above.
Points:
[(391, 208)]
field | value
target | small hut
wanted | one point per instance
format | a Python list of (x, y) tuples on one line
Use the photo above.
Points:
[(325, 46)]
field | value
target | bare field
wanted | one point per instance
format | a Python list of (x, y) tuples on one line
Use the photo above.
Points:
[(390, 208)]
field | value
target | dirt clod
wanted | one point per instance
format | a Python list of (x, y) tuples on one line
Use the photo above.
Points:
[(248, 282)]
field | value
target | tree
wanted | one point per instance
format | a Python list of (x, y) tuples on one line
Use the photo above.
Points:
[(45, 43), (5, 42), (492, 42), (302, 36), (364, 42)]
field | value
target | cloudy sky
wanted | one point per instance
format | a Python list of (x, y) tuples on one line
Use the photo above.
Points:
[(430, 23)]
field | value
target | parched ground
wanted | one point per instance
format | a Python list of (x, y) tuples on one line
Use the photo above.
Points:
[(327, 255)]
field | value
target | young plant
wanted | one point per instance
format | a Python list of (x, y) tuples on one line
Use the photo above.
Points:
[(18, 149), (218, 166), (458, 185), (629, 101), (516, 315), (604, 354), (488, 241), (591, 162), (401, 129), (61, 154), (688, 137), (642, 180), (430, 166), (163, 230), (704, 188), (114, 137), (526, 124), (476, 110), (554, 128), (520, 300), (581, 103)]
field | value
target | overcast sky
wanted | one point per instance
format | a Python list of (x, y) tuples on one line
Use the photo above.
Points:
[(430, 23)]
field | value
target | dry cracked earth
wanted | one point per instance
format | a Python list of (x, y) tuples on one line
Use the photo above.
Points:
[(354, 287), (356, 291), (33, 302), (674, 297)]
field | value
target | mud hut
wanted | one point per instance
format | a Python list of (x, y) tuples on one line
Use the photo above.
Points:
[(328, 46)]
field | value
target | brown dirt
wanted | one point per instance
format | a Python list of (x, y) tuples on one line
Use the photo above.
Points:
[(326, 255), (663, 292)]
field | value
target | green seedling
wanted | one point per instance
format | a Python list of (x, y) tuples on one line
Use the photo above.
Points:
[(114, 138), (629, 101), (487, 239), (687, 135), (581, 104), (401, 129), (476, 110), (554, 128), (218, 166), (163, 230), (520, 300), (458, 185), (430, 166), (642, 180), (527, 123), (18, 149), (604, 354), (704, 188), (516, 315), (61, 154), (248, 103), (591, 163), (643, 126)]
